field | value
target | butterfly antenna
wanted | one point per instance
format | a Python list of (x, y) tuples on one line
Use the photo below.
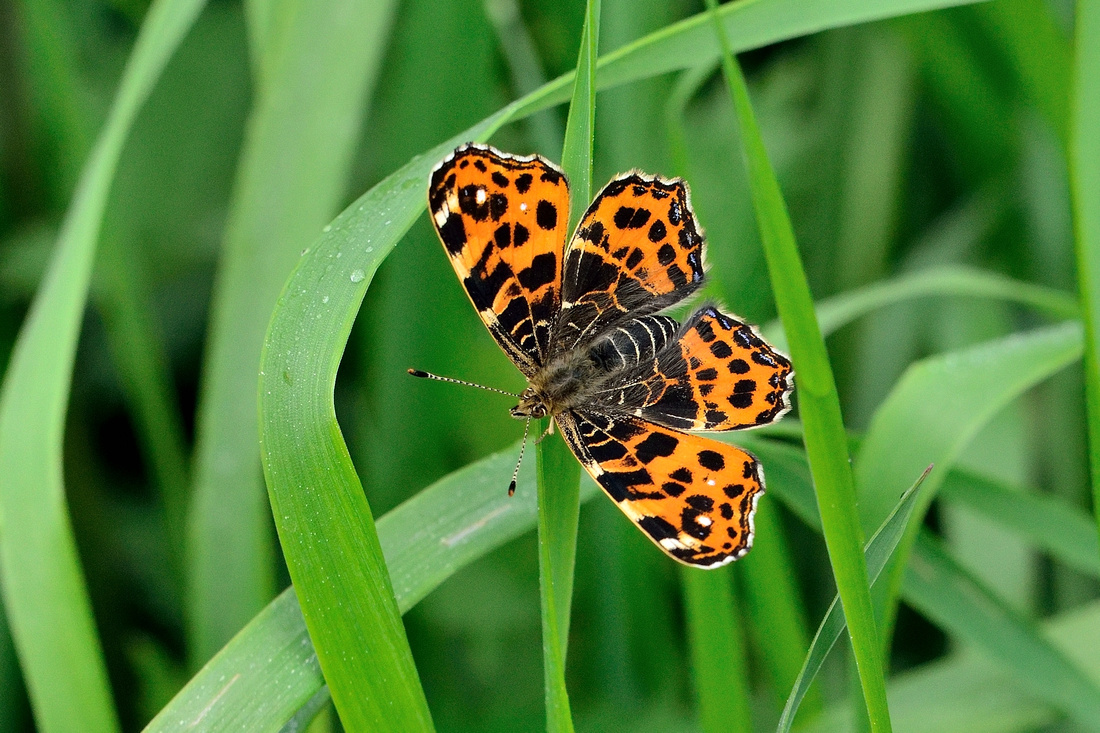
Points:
[(452, 380), (522, 448)]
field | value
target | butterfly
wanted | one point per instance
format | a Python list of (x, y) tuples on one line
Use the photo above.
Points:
[(582, 321)]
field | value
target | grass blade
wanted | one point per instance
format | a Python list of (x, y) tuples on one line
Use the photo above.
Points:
[(718, 658), (819, 404), (771, 597), (950, 280), (425, 540), (558, 470), (1047, 522), (1084, 167), (879, 549), (945, 592), (937, 407), (290, 180), (43, 586)]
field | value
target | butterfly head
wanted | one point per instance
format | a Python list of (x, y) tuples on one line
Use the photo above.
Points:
[(531, 405)]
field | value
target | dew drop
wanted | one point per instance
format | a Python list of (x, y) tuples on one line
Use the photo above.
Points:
[(357, 276), (324, 299)]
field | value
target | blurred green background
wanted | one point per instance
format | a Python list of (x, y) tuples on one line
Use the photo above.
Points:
[(914, 143)]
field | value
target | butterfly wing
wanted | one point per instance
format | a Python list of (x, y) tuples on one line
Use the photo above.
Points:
[(693, 496), (717, 374), (636, 250), (502, 220)]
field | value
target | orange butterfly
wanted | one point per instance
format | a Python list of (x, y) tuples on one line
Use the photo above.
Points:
[(582, 323)]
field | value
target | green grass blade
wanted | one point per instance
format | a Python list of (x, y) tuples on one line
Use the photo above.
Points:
[(948, 280), (771, 596), (934, 411), (290, 181), (970, 693), (879, 549), (1084, 167), (719, 662), (1046, 521), (425, 540), (819, 404), (941, 589), (558, 470), (44, 592)]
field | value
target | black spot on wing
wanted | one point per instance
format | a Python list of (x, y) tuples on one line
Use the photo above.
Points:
[(657, 445), (500, 179), (521, 235), (503, 236), (681, 474), (546, 215), (453, 234), (543, 270), (721, 350), (711, 460), (657, 528), (523, 182), (630, 218), (666, 254), (498, 205), (738, 366), (657, 231)]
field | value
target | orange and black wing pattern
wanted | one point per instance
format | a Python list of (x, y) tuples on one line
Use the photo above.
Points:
[(502, 220), (693, 496), (637, 249), (717, 374)]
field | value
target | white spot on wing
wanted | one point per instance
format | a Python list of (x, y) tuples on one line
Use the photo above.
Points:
[(480, 196), (442, 215)]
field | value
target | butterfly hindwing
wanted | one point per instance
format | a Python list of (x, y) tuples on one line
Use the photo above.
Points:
[(502, 220), (693, 496), (637, 249), (718, 374)]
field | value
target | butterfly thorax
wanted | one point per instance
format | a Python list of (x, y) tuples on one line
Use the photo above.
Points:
[(567, 381)]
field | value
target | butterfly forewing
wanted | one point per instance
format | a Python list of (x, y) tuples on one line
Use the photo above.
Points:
[(637, 249), (502, 220), (693, 496)]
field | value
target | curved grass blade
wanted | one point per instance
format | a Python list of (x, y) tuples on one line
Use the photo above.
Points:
[(558, 470), (934, 411), (1046, 521), (879, 549), (950, 280), (942, 590), (44, 593), (269, 670), (300, 139), (819, 404), (1084, 168)]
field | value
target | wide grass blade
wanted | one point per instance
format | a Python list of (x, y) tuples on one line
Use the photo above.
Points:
[(425, 540), (819, 404), (719, 661), (558, 470), (44, 593), (941, 589), (879, 549), (934, 411), (1084, 167), (293, 169), (1048, 522)]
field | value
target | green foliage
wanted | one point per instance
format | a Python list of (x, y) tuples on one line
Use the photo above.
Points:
[(178, 167)]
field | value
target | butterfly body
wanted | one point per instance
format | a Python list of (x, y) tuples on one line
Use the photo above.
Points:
[(582, 322)]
